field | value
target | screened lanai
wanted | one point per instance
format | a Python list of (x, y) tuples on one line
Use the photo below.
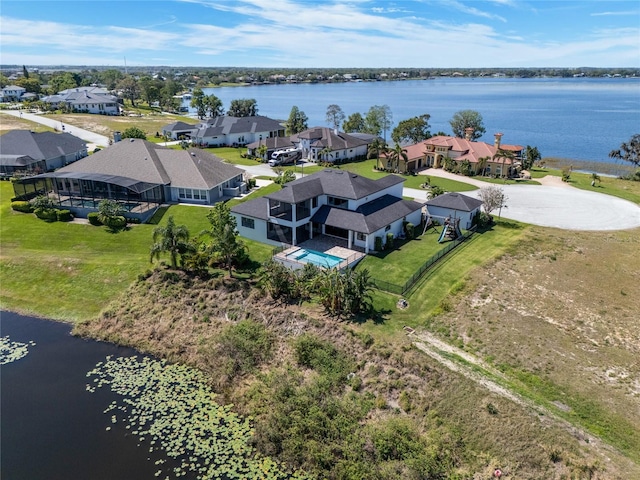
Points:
[(74, 190)]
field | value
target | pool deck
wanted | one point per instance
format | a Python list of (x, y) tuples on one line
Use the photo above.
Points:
[(323, 244)]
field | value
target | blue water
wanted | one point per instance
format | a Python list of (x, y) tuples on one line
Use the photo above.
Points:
[(576, 118), (317, 258)]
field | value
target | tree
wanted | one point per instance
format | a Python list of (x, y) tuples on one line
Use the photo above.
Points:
[(396, 154), (31, 85), (213, 106), (63, 81), (530, 156), (493, 197), (412, 130), (467, 119), (172, 239), (629, 152), (504, 155), (224, 247), (262, 152), (130, 88), (297, 121), (354, 124), (244, 107), (377, 148), (25, 72), (482, 164), (284, 176), (326, 153), (378, 120), (134, 132), (595, 178), (198, 102), (150, 89), (335, 115)]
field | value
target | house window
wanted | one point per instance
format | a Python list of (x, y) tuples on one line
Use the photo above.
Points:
[(361, 236), (248, 222), (387, 228), (337, 202), (314, 202)]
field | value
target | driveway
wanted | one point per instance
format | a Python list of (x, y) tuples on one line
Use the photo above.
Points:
[(555, 204)]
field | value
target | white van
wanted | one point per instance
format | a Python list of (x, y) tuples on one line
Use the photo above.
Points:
[(283, 157)]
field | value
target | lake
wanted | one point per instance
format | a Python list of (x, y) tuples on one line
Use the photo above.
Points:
[(51, 426), (576, 118)]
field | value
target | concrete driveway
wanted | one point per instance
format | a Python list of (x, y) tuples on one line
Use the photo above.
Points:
[(557, 204)]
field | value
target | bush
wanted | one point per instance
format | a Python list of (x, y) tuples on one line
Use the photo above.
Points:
[(409, 230), (390, 240), (116, 223), (46, 214), (377, 244), (94, 219), (20, 206), (64, 215)]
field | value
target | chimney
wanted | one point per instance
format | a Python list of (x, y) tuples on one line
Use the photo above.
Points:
[(117, 136), (468, 133), (496, 142)]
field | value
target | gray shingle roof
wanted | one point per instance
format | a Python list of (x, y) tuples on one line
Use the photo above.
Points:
[(40, 146), (455, 201), (326, 137), (150, 163), (337, 183), (257, 208), (370, 217), (179, 126), (225, 125)]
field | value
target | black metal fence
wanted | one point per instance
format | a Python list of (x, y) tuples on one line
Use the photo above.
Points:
[(402, 289)]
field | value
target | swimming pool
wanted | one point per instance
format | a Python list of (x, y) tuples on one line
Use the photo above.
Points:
[(317, 258)]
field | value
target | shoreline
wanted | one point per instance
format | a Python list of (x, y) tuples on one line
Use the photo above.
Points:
[(589, 166)]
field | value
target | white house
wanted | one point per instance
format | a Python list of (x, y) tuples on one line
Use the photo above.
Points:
[(86, 100), (326, 144), (12, 93), (454, 205), (226, 131), (331, 202)]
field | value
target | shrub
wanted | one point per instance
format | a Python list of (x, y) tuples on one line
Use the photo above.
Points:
[(20, 206), (116, 223), (409, 230), (46, 214), (390, 239), (377, 244), (94, 219), (64, 215), (42, 202)]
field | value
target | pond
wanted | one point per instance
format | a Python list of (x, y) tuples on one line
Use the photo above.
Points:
[(52, 427)]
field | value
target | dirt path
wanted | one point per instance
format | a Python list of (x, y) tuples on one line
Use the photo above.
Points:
[(441, 352)]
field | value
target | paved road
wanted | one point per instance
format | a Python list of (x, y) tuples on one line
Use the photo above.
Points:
[(556, 204), (86, 135)]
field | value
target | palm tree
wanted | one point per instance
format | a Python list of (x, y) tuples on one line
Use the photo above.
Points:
[(171, 238), (482, 164), (504, 155), (262, 151), (326, 151), (376, 148), (229, 248), (396, 154)]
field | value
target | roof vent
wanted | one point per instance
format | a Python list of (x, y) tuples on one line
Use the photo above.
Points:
[(131, 140), (193, 154)]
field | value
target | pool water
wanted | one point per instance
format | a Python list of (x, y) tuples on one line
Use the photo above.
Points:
[(317, 258)]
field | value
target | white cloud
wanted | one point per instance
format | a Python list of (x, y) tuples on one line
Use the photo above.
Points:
[(627, 13)]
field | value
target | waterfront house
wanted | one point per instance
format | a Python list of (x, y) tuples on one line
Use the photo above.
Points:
[(454, 206), (85, 100), (323, 144), (478, 157), (334, 203), (225, 131), (23, 151), (142, 176)]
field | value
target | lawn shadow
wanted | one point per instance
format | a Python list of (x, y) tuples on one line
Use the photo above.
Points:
[(158, 215)]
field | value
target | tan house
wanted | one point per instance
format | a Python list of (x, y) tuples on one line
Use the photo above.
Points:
[(480, 157)]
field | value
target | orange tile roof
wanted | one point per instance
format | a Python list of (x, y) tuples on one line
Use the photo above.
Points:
[(465, 149)]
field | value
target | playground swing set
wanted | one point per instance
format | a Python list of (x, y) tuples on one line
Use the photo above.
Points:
[(450, 227)]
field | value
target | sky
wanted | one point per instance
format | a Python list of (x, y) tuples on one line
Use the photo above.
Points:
[(322, 34)]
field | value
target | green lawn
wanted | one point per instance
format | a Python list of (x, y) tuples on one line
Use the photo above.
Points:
[(507, 181), (441, 281), (233, 155), (70, 271)]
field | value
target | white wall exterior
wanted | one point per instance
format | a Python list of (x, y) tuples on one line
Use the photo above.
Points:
[(466, 218)]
